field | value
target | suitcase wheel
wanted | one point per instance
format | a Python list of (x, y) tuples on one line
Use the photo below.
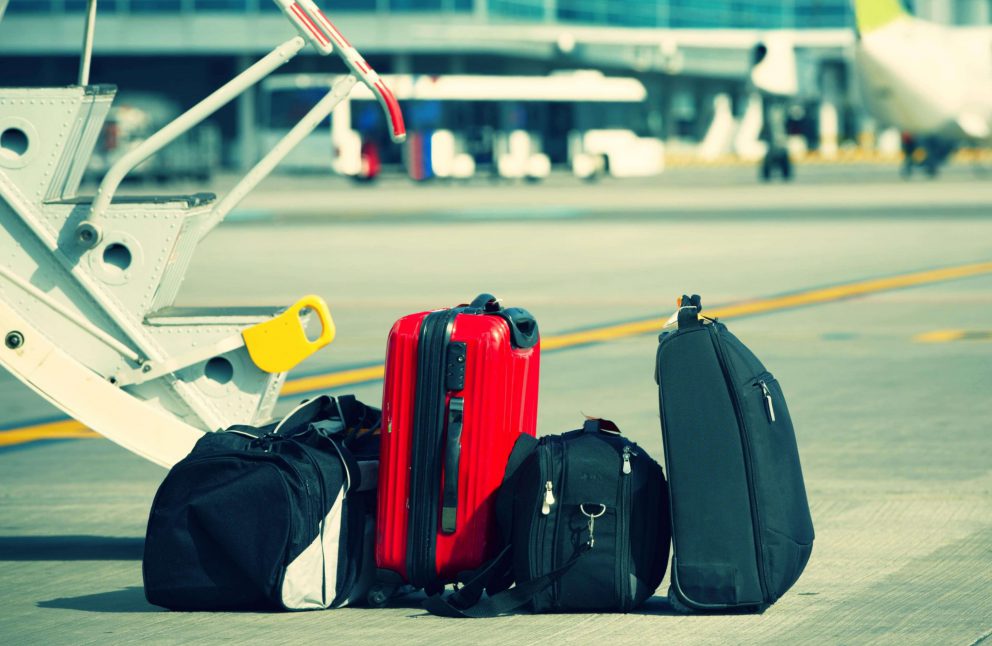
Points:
[(380, 594)]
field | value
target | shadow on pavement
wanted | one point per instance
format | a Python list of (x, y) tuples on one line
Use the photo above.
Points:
[(656, 605), (127, 600), (70, 548)]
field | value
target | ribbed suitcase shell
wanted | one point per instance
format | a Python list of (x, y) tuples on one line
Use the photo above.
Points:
[(500, 402)]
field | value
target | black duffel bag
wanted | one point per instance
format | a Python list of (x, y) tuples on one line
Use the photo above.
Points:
[(585, 517), (279, 517)]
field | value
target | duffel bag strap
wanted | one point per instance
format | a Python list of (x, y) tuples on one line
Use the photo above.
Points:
[(299, 417), (507, 601)]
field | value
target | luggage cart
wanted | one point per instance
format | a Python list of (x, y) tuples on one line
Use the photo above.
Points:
[(88, 284)]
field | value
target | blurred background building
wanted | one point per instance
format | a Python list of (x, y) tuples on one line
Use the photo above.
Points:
[(693, 59)]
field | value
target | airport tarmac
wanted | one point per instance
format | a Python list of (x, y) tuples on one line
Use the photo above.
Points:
[(869, 298)]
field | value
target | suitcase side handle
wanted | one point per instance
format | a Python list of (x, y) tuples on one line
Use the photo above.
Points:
[(524, 333), (452, 455)]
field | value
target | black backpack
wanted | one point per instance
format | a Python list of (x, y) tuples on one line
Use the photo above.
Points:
[(585, 516), (279, 517)]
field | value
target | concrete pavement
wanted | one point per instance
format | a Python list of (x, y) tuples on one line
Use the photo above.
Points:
[(894, 432)]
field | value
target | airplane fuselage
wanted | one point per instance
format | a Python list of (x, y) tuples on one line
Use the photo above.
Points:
[(928, 79)]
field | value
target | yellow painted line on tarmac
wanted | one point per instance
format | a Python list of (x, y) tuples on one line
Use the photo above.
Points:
[(948, 336), (68, 429), (775, 303), (332, 380), (818, 296)]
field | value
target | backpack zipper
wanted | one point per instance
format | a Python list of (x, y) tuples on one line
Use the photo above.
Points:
[(623, 526), (555, 557), (549, 498), (539, 533)]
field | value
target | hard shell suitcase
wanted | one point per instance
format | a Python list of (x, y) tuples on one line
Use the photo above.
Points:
[(460, 387), (741, 527)]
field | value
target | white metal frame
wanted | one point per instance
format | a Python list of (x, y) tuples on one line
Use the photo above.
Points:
[(97, 398)]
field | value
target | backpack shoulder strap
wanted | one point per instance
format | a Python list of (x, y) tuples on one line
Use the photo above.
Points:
[(524, 446)]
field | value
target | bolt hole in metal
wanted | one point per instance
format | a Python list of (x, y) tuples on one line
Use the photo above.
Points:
[(14, 340), (14, 143), (219, 370), (117, 255)]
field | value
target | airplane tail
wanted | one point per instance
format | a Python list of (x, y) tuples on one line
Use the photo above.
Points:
[(873, 14)]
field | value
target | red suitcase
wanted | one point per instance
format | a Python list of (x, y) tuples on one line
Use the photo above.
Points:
[(460, 387)]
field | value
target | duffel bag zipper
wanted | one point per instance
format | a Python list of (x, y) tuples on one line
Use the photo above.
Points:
[(266, 442)]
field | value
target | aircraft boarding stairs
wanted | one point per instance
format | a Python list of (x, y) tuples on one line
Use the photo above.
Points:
[(88, 284)]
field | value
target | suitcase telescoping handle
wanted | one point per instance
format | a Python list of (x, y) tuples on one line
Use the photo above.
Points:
[(452, 454)]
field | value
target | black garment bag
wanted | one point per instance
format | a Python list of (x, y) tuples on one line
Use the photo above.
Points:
[(741, 527)]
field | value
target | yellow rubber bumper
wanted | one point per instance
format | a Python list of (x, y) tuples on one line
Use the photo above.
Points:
[(281, 344)]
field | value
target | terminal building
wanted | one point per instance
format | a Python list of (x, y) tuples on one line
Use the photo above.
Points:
[(693, 58)]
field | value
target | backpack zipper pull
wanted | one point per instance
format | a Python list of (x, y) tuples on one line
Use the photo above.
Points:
[(549, 498), (769, 404), (626, 461)]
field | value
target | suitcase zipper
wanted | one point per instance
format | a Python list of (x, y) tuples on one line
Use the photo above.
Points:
[(426, 452), (746, 445)]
